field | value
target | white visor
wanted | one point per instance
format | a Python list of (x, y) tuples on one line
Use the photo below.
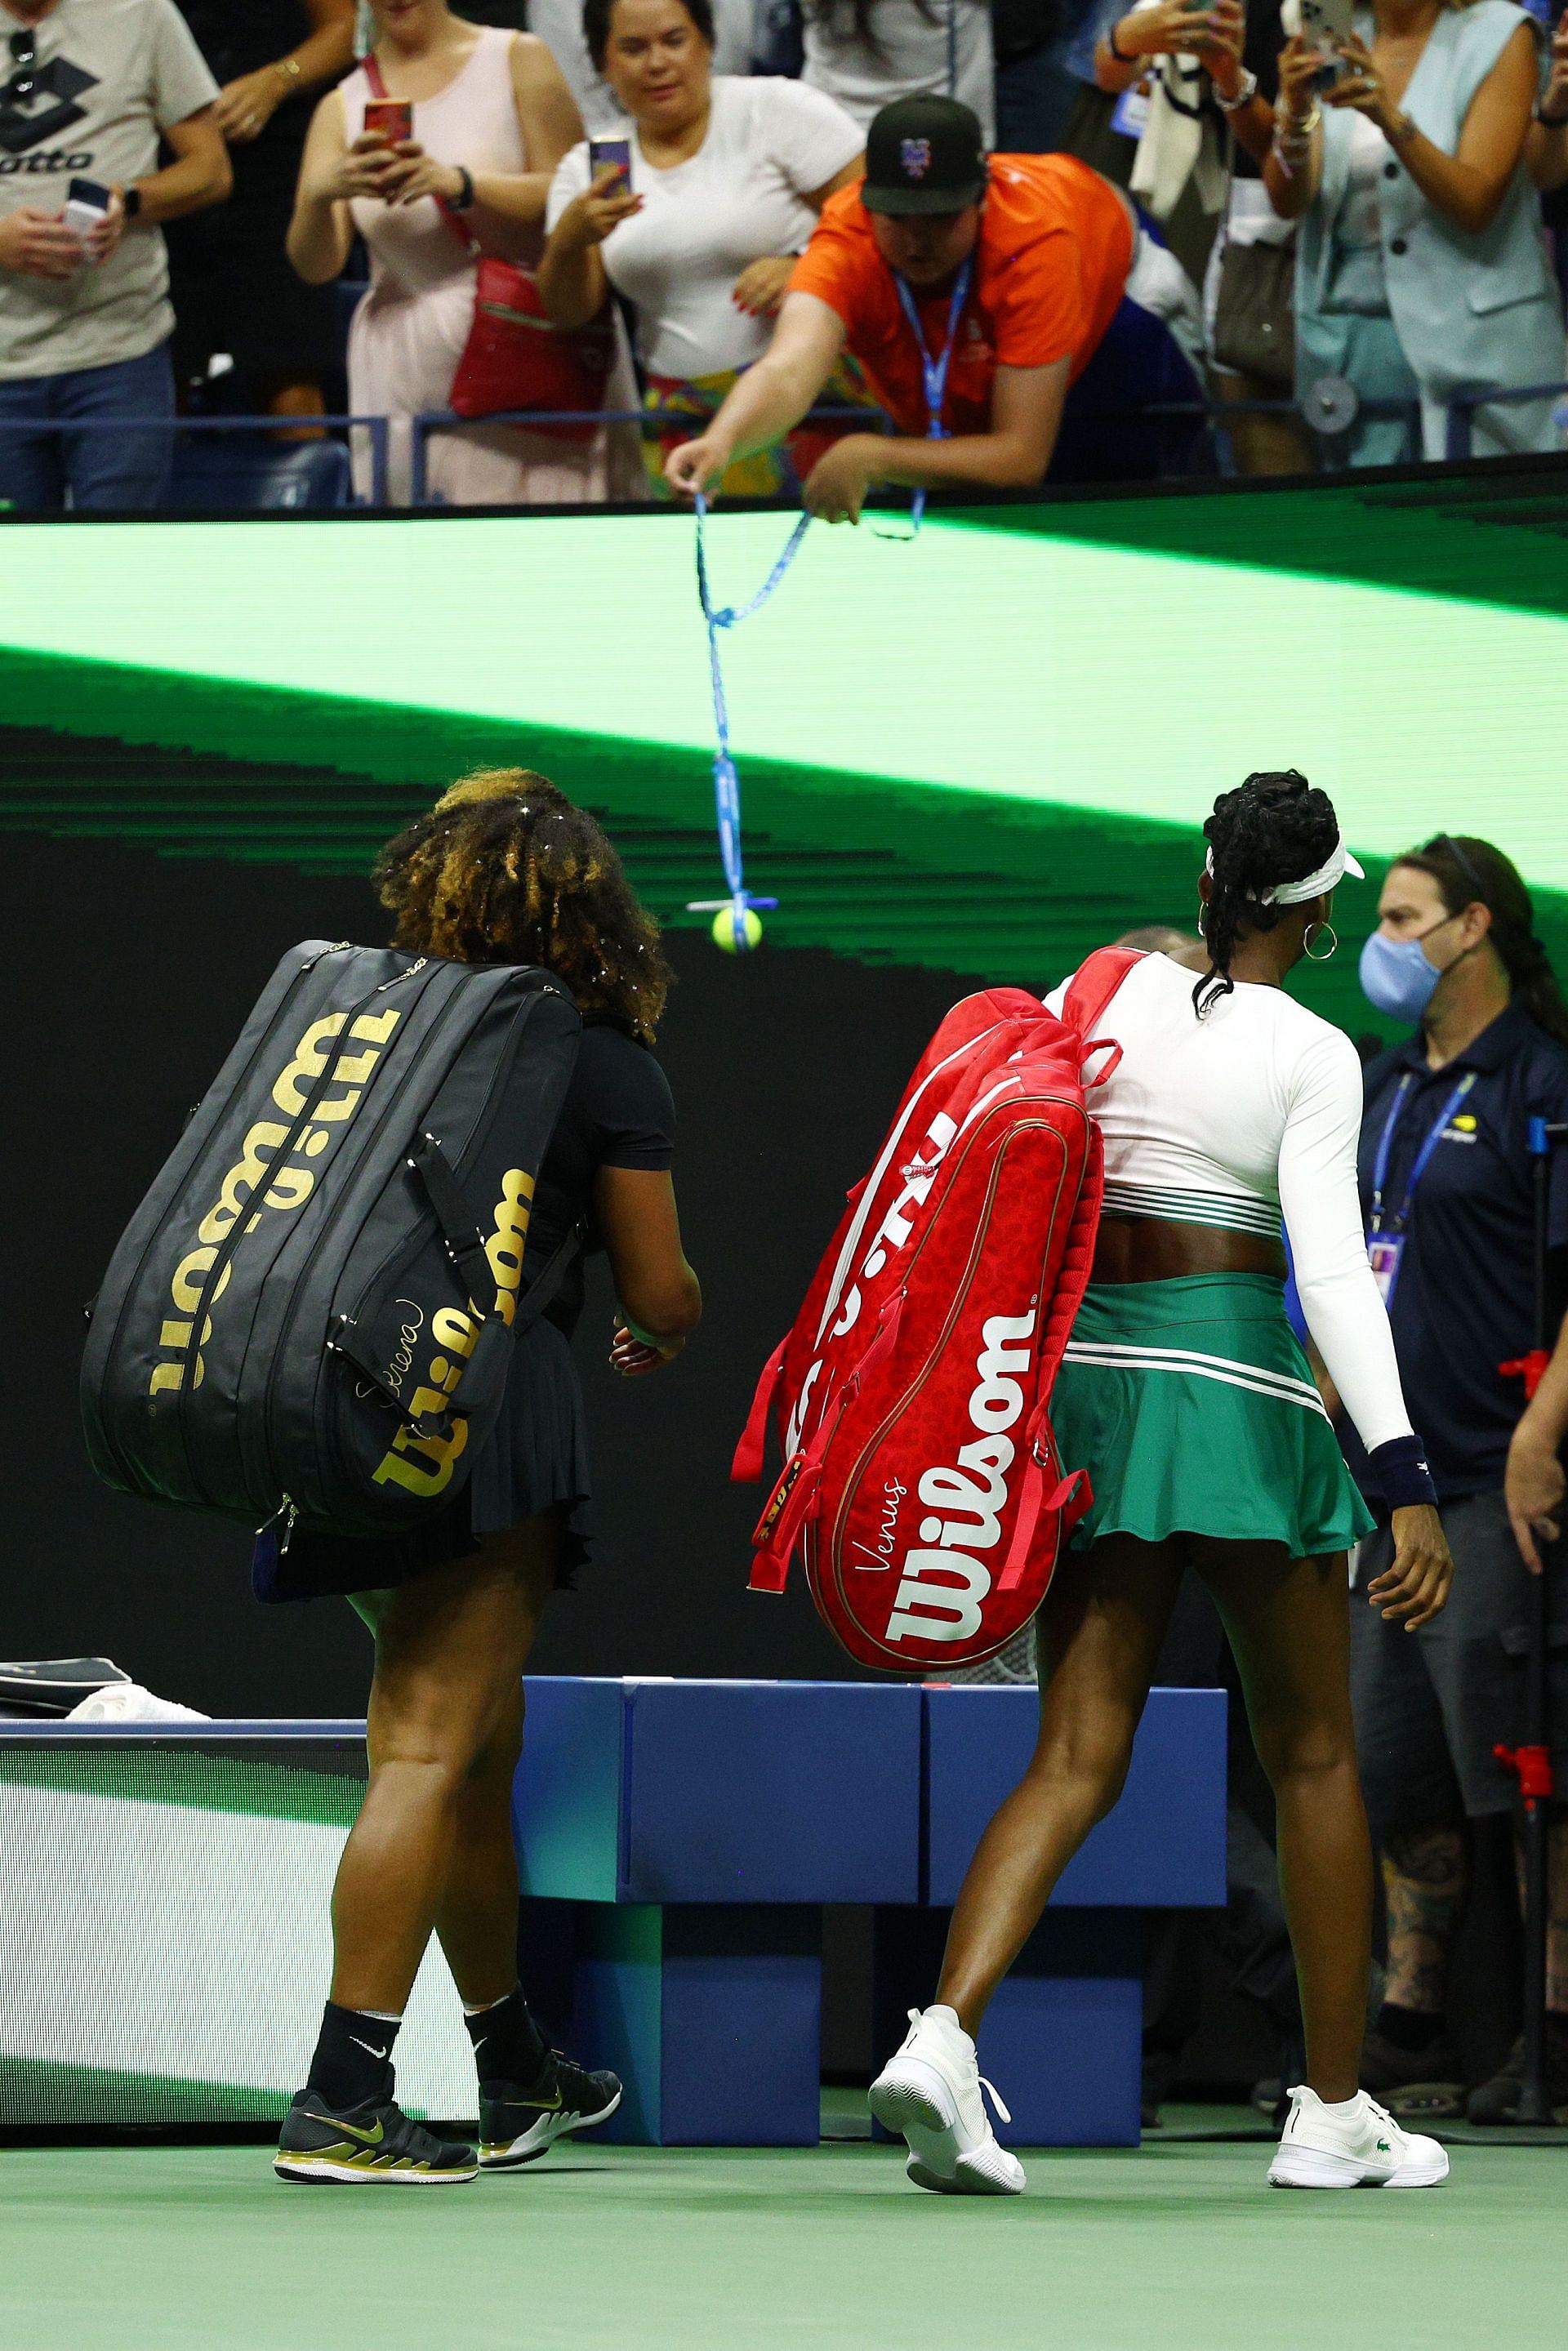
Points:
[(1314, 886)]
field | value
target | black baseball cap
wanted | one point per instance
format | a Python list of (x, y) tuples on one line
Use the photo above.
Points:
[(924, 155)]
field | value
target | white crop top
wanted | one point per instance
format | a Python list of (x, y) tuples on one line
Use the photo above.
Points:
[(1231, 1120)]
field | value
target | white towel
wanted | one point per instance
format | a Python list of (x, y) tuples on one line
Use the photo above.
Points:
[(129, 1702), (1179, 142)]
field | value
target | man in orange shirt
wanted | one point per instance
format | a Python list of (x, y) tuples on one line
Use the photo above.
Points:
[(977, 294)]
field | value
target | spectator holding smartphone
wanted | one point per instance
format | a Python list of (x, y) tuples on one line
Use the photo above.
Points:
[(1421, 270), (85, 321), (492, 118), (729, 176), (1249, 327)]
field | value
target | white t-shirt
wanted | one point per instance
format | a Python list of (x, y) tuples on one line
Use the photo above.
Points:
[(912, 54), (741, 196), (1231, 1120), (110, 76)]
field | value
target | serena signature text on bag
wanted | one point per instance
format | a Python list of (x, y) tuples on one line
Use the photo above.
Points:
[(423, 1464)]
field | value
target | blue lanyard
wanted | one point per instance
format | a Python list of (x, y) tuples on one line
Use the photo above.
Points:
[(726, 782), (1386, 1141), (933, 366)]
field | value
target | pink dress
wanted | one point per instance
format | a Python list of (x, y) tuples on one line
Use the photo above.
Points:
[(409, 331)]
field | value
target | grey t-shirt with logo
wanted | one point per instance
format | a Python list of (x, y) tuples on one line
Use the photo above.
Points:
[(110, 76)]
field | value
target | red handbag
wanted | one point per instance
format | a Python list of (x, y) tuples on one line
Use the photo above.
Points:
[(516, 356), (923, 1480)]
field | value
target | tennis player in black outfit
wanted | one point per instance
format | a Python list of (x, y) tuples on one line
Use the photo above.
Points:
[(504, 868)]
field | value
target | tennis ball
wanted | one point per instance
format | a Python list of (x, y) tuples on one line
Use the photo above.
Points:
[(724, 931)]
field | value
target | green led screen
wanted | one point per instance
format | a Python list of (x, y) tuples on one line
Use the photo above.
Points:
[(983, 748)]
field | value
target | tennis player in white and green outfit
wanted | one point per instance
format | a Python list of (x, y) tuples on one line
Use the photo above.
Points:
[(1185, 1396)]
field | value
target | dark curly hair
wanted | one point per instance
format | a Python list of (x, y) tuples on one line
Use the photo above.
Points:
[(596, 16), (1273, 828), (1469, 872), (505, 869)]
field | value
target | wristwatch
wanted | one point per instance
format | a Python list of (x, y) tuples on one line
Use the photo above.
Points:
[(130, 200), (1244, 95)]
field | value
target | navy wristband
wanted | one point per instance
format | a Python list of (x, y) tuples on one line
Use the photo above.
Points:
[(1403, 1472)]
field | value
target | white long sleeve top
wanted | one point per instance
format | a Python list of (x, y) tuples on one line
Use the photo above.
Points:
[(1233, 1120)]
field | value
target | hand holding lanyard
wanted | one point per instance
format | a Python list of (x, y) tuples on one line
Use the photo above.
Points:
[(1386, 1239)]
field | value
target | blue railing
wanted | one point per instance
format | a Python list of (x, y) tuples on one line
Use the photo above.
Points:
[(281, 437), (284, 432), (1459, 434), (651, 419)]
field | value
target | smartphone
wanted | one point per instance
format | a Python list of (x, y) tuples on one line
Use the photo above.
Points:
[(392, 117), (609, 151), (1327, 23), (86, 205)]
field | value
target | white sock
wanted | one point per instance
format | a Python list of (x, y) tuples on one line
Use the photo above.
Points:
[(1345, 2106)]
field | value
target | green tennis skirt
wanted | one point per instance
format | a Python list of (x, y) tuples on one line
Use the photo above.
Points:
[(1192, 1408)]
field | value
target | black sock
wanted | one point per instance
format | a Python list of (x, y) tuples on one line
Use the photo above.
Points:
[(508, 2045), (352, 2060), (1409, 2028)]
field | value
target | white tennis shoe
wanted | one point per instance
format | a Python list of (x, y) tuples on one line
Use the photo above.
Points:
[(931, 2095), (1355, 2145)]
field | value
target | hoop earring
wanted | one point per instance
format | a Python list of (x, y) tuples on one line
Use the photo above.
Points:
[(1307, 942), (1202, 918)]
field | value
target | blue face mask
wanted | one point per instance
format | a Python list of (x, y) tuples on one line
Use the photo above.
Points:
[(1396, 978)]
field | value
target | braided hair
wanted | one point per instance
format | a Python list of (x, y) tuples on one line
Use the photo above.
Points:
[(1273, 828), (1469, 872), (505, 869)]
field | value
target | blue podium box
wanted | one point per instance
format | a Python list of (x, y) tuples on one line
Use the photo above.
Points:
[(689, 1833), (720, 1791), (701, 1825), (1163, 1848)]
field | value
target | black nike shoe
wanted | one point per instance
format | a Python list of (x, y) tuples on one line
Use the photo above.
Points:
[(373, 2145), (518, 2124)]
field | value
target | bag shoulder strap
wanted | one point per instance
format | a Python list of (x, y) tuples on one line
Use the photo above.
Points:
[(1094, 983)]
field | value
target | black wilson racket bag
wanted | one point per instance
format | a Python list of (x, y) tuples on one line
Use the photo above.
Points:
[(312, 1310)]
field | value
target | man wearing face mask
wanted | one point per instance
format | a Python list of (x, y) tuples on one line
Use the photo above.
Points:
[(1447, 1192)]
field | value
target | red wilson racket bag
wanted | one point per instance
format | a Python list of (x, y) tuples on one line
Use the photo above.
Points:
[(921, 1472)]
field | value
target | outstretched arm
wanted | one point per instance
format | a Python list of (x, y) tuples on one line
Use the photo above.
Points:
[(769, 397)]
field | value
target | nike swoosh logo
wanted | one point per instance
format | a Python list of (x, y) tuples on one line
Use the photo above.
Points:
[(542, 2106), (336, 2122), (366, 2047)]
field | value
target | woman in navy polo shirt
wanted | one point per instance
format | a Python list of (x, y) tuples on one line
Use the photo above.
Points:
[(1447, 1186)]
